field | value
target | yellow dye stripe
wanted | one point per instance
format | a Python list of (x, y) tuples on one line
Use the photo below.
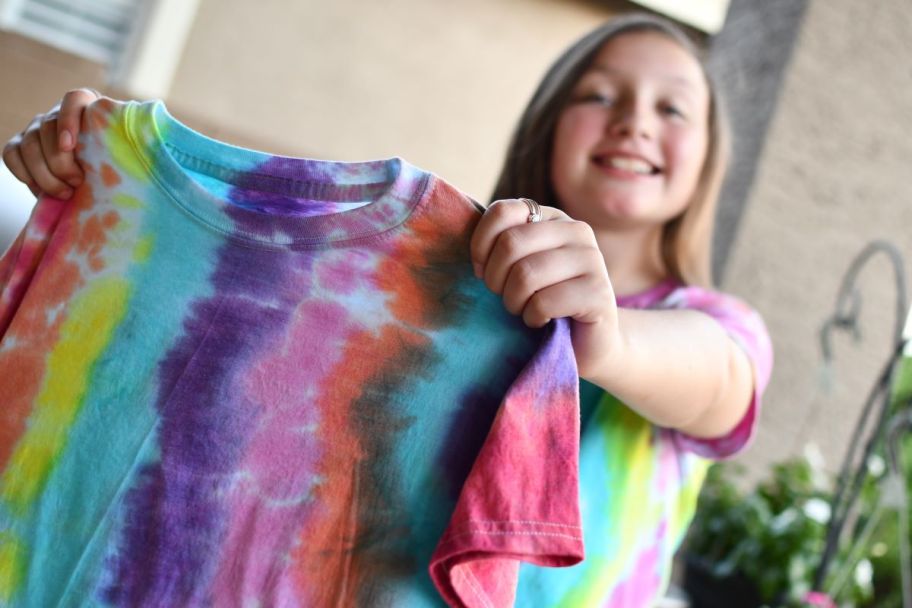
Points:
[(83, 337), (12, 560)]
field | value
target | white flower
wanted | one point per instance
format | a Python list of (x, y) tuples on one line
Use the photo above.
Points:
[(814, 458), (876, 465), (864, 573), (818, 510)]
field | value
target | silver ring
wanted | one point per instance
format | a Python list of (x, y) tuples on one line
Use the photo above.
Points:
[(535, 212)]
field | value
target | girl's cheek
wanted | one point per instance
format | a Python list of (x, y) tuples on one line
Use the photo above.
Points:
[(575, 136), (689, 150), (686, 163), (582, 123)]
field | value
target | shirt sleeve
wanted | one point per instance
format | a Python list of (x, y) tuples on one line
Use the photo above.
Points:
[(746, 327), (20, 262), (520, 502)]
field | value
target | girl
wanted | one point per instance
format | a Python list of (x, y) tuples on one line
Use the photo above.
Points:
[(624, 145)]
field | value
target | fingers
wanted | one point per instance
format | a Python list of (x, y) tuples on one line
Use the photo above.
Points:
[(544, 270), (556, 301), (586, 298), (500, 216), (36, 164), (12, 158), (62, 164), (520, 242), (539, 271), (70, 116), (43, 155), (566, 282)]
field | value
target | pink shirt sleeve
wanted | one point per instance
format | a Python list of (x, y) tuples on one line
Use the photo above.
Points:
[(520, 502), (20, 262), (745, 326)]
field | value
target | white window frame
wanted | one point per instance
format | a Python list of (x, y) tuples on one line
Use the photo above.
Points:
[(705, 15), (151, 53)]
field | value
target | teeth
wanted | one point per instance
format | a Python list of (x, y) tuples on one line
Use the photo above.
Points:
[(631, 164)]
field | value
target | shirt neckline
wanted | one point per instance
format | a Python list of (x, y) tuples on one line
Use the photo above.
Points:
[(391, 187), (649, 296)]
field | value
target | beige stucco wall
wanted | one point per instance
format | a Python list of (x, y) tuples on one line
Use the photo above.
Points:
[(438, 83), (441, 84), (834, 175)]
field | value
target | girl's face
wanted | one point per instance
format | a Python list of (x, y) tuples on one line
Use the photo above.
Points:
[(629, 147)]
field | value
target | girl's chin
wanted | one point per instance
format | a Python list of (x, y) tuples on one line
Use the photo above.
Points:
[(627, 214), (631, 206), (626, 208), (639, 208), (616, 219)]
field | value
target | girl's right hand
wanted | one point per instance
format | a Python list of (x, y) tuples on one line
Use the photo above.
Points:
[(43, 155)]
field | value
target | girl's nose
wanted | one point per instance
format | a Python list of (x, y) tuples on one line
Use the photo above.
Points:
[(632, 121)]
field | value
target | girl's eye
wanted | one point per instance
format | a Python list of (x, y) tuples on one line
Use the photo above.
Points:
[(596, 98), (672, 110)]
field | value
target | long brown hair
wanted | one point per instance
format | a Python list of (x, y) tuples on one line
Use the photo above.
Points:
[(687, 238)]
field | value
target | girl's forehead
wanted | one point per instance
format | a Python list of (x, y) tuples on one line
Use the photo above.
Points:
[(651, 55)]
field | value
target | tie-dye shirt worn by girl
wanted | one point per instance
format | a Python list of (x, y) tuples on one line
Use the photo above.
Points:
[(639, 482), (235, 379)]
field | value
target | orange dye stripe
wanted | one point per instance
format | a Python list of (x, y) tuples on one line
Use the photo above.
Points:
[(109, 176), (364, 358), (431, 242), (35, 328)]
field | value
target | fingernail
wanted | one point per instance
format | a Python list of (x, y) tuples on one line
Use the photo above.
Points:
[(74, 181), (66, 140), (477, 268), (66, 193)]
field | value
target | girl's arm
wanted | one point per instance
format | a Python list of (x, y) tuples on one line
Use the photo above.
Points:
[(677, 368)]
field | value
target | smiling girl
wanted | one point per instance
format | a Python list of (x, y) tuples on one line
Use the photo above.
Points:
[(625, 145)]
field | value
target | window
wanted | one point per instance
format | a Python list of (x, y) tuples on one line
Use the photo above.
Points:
[(705, 15), (95, 29), (139, 41)]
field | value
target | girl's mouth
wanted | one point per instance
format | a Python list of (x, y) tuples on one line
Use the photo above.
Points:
[(629, 164)]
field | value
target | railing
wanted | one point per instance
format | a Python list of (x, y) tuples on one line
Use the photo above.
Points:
[(891, 422)]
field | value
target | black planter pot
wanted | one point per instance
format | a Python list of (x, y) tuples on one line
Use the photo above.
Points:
[(707, 591)]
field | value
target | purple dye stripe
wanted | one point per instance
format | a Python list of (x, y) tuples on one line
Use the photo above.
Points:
[(278, 205), (298, 188), (287, 186), (174, 522), (470, 425)]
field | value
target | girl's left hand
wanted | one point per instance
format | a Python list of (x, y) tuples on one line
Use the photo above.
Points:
[(546, 270)]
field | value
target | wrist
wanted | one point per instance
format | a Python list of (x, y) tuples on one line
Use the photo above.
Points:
[(603, 362)]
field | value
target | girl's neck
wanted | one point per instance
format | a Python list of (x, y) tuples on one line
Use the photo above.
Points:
[(633, 259)]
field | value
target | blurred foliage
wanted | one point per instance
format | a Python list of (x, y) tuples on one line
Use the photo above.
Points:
[(883, 548), (774, 532)]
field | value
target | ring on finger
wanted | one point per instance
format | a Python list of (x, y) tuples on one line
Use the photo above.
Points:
[(535, 212)]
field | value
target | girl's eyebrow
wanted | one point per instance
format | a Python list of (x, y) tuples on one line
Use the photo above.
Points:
[(671, 78), (682, 84)]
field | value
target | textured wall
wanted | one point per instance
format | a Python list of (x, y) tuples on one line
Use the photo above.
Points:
[(439, 83), (748, 59), (834, 174)]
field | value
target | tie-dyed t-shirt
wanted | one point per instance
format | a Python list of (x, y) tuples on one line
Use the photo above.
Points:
[(639, 482), (235, 379)]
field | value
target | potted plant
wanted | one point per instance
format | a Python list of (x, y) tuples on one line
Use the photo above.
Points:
[(760, 546)]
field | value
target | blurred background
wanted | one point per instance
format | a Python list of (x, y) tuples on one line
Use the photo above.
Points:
[(820, 93)]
